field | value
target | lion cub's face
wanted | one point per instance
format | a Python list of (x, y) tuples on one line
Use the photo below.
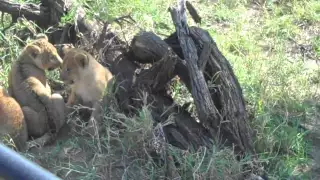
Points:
[(43, 54), (74, 65)]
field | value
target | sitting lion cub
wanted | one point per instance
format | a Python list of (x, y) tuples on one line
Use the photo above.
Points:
[(87, 77), (12, 121), (28, 84)]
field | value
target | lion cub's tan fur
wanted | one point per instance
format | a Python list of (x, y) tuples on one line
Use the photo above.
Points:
[(28, 85), (88, 80), (87, 77), (12, 121)]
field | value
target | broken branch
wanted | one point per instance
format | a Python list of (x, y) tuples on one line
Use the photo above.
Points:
[(29, 11), (200, 92)]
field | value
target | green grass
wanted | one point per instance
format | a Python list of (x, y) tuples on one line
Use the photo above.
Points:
[(276, 88), (316, 45)]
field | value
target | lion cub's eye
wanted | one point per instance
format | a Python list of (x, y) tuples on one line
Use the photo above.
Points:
[(34, 54), (51, 58), (67, 69)]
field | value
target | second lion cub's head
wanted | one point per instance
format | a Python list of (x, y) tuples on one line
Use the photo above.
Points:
[(41, 53), (75, 63)]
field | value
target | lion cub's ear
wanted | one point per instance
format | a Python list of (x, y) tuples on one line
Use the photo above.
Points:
[(33, 50), (41, 36), (82, 59)]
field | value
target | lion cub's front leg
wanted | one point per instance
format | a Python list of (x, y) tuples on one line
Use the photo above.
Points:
[(52, 115), (96, 118), (71, 98), (57, 110), (36, 121)]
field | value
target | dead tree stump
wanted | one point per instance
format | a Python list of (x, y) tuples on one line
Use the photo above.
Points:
[(226, 92)]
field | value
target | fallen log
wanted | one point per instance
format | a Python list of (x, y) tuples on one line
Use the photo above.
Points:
[(149, 88), (29, 11)]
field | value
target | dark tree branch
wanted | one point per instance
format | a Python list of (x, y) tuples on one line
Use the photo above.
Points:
[(126, 18), (160, 73), (29, 11), (193, 12), (148, 47), (226, 92), (204, 56), (200, 92)]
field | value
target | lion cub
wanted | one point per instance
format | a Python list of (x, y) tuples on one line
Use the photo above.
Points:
[(87, 77), (28, 84), (12, 121)]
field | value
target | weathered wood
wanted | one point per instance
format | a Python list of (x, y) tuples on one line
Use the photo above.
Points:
[(88, 29), (49, 13), (229, 92), (56, 9), (231, 95), (226, 92), (28, 10), (193, 12), (148, 47), (185, 132), (204, 56), (160, 73), (207, 112)]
